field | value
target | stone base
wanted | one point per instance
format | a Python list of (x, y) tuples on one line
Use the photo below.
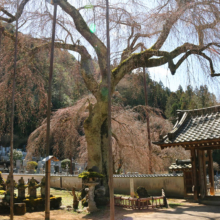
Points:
[(92, 207), (102, 201), (19, 208)]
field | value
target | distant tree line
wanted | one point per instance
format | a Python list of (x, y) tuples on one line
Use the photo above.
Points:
[(131, 92)]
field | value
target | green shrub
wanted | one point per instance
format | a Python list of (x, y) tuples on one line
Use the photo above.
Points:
[(38, 204), (2, 180), (86, 175), (2, 192), (31, 165), (85, 202), (64, 163)]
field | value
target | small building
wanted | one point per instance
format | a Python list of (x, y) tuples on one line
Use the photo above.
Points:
[(198, 131), (185, 167)]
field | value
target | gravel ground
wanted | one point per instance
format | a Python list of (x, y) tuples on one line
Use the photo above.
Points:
[(182, 209)]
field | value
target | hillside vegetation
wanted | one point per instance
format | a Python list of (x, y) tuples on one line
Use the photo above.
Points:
[(71, 103)]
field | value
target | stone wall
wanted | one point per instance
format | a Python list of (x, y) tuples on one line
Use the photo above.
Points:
[(173, 185)]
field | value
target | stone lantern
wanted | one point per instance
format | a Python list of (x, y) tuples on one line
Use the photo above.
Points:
[(21, 188), (32, 187)]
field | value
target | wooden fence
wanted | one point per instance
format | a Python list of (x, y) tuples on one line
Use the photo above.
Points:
[(141, 203)]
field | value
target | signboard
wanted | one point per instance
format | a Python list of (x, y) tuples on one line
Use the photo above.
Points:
[(52, 158)]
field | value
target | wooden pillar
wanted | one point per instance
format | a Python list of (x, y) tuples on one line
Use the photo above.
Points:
[(47, 191), (202, 174), (184, 179), (204, 170), (211, 173), (194, 173), (132, 187)]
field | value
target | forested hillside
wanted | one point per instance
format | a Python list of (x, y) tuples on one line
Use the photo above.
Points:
[(131, 92), (31, 86)]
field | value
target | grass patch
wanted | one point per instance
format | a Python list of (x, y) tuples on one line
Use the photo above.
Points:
[(174, 205)]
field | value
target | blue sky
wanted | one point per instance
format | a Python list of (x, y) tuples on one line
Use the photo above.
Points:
[(189, 72)]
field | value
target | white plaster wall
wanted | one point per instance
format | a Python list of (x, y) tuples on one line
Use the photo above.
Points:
[(172, 185)]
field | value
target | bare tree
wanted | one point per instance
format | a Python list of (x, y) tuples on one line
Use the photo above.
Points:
[(170, 31), (130, 146)]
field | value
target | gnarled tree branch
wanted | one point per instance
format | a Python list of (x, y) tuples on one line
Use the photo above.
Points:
[(84, 30)]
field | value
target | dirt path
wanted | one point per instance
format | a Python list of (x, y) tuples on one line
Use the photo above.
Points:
[(183, 210)]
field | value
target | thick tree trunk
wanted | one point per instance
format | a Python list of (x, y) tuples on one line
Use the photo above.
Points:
[(104, 150), (96, 133), (92, 128), (93, 139)]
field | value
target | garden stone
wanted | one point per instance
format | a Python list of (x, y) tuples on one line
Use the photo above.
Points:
[(24, 163), (32, 188), (18, 164), (8, 188), (21, 188), (142, 192)]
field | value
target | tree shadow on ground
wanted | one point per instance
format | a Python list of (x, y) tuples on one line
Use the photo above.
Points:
[(181, 212)]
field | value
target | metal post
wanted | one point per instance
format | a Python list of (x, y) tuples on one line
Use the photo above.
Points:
[(12, 125), (111, 189), (148, 121), (47, 196)]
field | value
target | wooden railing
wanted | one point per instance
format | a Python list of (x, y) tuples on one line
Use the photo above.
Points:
[(141, 203)]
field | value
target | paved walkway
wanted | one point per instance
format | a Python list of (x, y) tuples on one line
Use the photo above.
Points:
[(187, 211)]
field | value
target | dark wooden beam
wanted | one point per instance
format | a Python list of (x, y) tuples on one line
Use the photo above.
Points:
[(213, 147), (204, 171), (202, 143), (194, 174), (202, 174), (211, 173), (184, 179)]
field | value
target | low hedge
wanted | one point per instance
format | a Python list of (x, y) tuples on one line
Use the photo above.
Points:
[(38, 204), (34, 204)]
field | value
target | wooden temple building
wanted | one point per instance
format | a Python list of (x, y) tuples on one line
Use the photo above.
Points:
[(198, 131)]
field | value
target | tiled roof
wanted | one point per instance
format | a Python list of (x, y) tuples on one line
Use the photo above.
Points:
[(146, 175), (174, 166), (194, 125)]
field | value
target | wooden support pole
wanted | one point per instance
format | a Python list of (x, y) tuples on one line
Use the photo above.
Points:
[(47, 196), (132, 187), (150, 170), (204, 171), (110, 161), (185, 189), (201, 174), (12, 123), (211, 173), (47, 191), (194, 173)]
